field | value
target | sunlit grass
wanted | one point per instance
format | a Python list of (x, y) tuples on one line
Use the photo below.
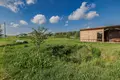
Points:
[(106, 67)]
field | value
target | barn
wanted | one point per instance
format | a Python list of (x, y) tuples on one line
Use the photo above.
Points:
[(101, 34)]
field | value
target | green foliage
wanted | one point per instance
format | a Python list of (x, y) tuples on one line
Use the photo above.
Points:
[(77, 35), (85, 54), (29, 64), (61, 50), (61, 59), (71, 34), (23, 35), (96, 52), (38, 36), (22, 64)]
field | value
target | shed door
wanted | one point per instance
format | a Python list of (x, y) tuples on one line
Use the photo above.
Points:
[(99, 36)]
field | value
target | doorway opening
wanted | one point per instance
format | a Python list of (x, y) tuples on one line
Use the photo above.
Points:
[(99, 36)]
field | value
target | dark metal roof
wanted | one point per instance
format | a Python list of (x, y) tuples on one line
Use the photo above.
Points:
[(114, 26)]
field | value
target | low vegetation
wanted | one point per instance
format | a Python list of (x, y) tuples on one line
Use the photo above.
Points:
[(58, 59), (28, 64)]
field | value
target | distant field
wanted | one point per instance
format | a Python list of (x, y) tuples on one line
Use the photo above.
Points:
[(108, 63), (5, 41), (10, 40)]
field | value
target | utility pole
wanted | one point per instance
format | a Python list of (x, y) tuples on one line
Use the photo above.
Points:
[(0, 30), (4, 29)]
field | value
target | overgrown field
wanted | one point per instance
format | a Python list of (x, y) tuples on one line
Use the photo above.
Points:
[(61, 59)]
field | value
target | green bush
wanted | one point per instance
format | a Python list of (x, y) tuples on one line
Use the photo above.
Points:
[(61, 50), (96, 52), (82, 55)]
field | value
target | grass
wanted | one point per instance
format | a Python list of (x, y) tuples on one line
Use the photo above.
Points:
[(4, 41), (62, 59), (11, 40), (1, 63)]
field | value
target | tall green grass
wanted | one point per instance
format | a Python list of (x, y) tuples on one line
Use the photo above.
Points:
[(58, 62), (60, 59)]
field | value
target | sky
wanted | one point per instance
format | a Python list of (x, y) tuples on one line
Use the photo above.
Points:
[(21, 16)]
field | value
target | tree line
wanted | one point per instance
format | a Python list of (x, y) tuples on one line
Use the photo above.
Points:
[(70, 34)]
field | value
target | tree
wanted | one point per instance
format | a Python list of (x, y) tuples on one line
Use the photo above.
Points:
[(38, 36), (77, 34), (68, 34)]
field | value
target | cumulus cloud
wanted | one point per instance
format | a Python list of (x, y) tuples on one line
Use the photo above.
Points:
[(13, 5), (16, 25), (39, 19), (62, 18), (80, 13), (92, 5), (88, 25), (12, 24), (66, 23), (23, 22), (91, 15), (30, 1), (54, 19)]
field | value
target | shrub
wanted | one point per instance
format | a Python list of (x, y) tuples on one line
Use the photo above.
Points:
[(95, 52), (26, 46), (61, 50), (82, 55)]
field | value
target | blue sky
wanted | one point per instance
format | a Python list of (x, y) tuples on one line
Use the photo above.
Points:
[(58, 15)]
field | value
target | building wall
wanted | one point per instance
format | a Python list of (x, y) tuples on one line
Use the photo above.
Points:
[(90, 35)]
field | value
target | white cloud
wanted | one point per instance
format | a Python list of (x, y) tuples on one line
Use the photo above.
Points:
[(80, 13), (13, 5), (66, 23), (23, 22), (62, 18), (91, 15), (16, 25), (39, 19), (92, 5), (30, 1), (12, 24), (88, 25), (54, 19)]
